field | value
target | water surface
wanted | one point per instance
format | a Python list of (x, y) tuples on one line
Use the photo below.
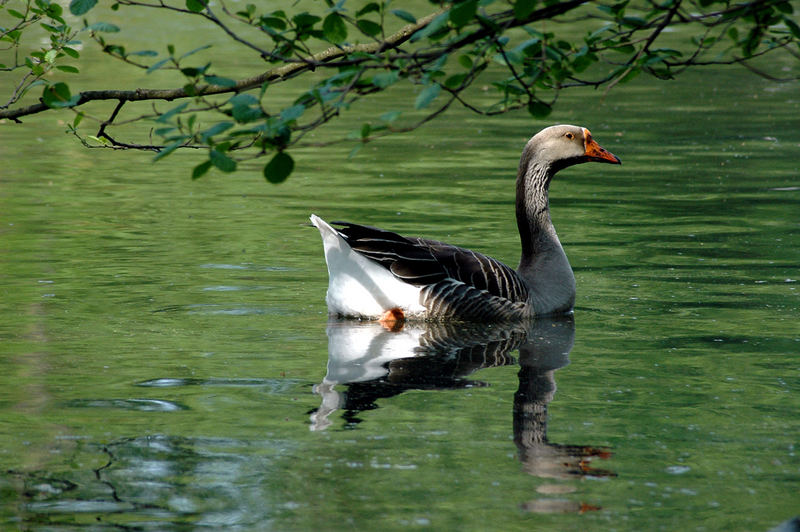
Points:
[(168, 362)]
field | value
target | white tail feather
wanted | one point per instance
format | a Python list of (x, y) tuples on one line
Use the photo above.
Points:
[(358, 286)]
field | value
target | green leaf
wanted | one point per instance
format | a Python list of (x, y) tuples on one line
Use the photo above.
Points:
[(103, 27), (510, 87), (273, 22), (101, 140), (279, 168), (169, 148), (172, 112), (462, 13), (523, 8), (201, 169), (115, 49), (354, 151), (191, 52), (216, 129), (369, 28), (51, 29), (624, 49), (53, 11), (634, 22), (68, 68), (582, 62), (595, 35), (292, 113), (454, 81), (195, 6), (58, 95), (539, 109), (36, 68), (404, 15), (220, 81), (510, 57), (427, 95), (248, 12), (334, 29), (14, 13), (222, 161), (37, 83), (12, 36), (244, 113), (385, 79), (71, 52), (435, 25), (390, 116), (155, 66), (793, 27), (78, 119), (626, 72), (667, 52), (465, 61), (369, 8), (191, 72), (304, 20), (80, 7), (145, 53), (243, 99)]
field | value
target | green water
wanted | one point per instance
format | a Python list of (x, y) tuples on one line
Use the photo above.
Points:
[(165, 345)]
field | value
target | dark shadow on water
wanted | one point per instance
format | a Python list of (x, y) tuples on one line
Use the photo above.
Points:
[(367, 363)]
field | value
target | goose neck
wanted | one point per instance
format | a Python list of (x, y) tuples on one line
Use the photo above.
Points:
[(544, 266), (536, 230)]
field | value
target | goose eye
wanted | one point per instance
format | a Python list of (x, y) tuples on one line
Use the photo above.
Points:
[(570, 136)]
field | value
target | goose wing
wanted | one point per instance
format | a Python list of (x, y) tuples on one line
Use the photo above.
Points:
[(456, 282)]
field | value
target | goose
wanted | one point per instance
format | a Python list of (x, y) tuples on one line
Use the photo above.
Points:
[(378, 274)]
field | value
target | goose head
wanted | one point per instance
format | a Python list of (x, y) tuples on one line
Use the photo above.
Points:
[(558, 147)]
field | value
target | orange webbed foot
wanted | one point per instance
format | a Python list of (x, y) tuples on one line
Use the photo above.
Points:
[(393, 320)]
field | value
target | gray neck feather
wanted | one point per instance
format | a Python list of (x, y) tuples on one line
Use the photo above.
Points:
[(543, 264), (533, 210)]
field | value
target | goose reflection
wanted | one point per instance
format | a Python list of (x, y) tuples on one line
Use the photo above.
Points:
[(374, 362), (546, 349), (367, 362)]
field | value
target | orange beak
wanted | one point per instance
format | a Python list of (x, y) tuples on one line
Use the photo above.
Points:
[(595, 152)]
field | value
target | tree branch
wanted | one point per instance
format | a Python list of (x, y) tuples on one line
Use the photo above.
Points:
[(326, 57), (281, 73), (650, 40)]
